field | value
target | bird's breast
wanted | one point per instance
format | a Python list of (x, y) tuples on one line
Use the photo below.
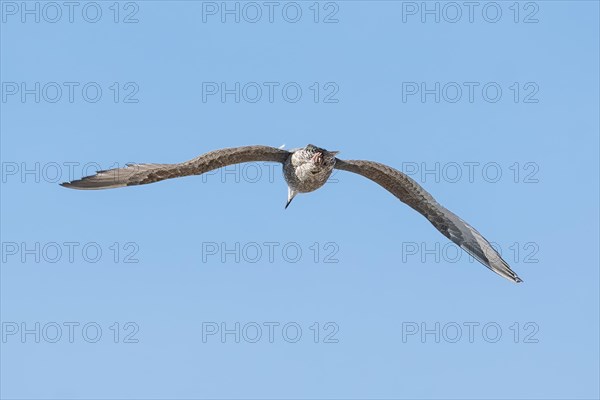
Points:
[(305, 177)]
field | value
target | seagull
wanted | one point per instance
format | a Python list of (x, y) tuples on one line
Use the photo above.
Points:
[(306, 170)]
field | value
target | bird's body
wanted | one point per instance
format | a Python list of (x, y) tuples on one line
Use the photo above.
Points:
[(306, 170)]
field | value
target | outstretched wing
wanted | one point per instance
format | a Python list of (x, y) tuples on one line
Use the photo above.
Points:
[(448, 223), (141, 174)]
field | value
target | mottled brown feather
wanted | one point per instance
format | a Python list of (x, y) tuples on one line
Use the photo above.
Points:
[(141, 174), (449, 224)]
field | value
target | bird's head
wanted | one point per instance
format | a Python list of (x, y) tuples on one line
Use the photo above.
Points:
[(319, 157), (310, 167)]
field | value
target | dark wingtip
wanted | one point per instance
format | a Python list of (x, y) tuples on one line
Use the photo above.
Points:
[(82, 184), (74, 184)]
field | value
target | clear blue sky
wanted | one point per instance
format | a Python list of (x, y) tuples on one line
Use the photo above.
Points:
[(511, 147)]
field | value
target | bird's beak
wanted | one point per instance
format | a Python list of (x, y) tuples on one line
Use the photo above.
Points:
[(291, 195)]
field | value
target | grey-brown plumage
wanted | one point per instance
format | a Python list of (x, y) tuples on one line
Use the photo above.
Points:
[(306, 170), (449, 224), (141, 174)]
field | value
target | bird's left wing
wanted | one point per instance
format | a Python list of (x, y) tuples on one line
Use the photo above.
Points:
[(448, 223), (141, 174)]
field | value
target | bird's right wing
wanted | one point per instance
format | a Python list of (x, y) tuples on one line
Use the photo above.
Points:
[(141, 174), (445, 221)]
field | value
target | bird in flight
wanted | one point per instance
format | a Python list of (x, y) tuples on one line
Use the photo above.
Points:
[(305, 170)]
